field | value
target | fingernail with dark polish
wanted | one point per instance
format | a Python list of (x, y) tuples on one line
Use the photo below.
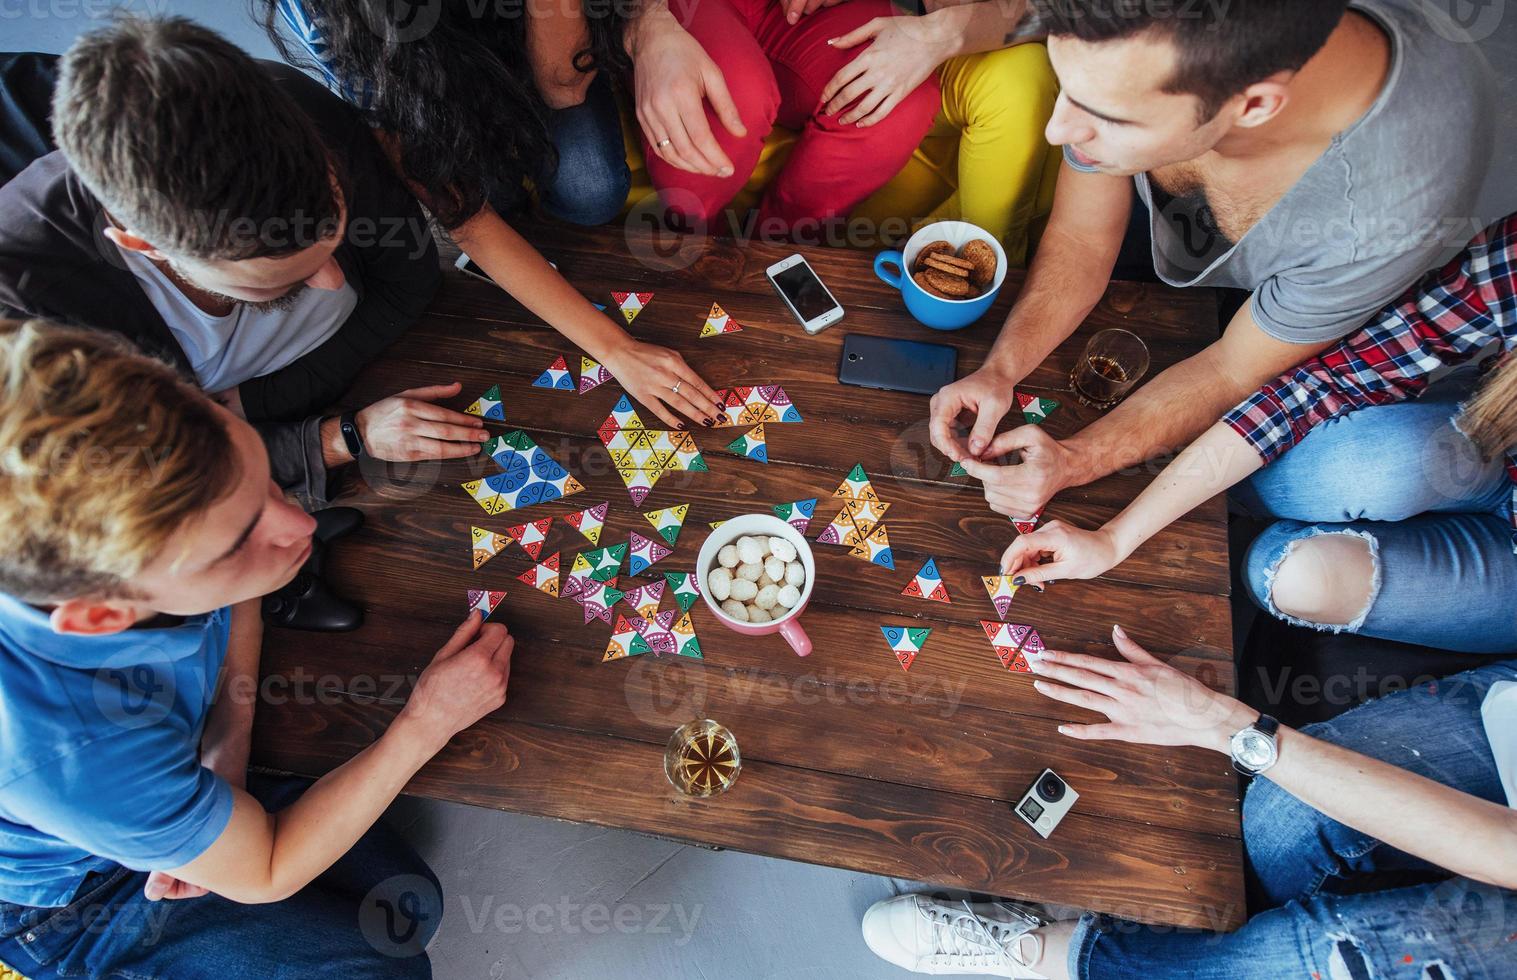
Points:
[(680, 426), (1019, 580), (708, 422)]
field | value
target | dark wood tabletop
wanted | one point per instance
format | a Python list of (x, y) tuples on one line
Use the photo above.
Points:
[(848, 760)]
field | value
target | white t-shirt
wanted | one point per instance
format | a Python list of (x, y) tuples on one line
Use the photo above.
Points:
[(225, 351), (1499, 713)]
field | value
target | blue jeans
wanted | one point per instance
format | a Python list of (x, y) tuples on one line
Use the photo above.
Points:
[(1305, 864), (589, 185), (370, 915), (1436, 516)]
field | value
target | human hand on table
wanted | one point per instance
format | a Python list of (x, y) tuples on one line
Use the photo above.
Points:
[(1022, 490), (1144, 699), (1076, 553), (673, 78), (981, 400), (903, 52), (408, 427), (465, 681), (651, 373)]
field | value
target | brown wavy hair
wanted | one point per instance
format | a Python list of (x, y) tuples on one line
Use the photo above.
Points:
[(104, 454), (1490, 419)]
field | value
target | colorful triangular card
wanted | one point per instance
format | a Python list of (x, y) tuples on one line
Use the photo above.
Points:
[(602, 564), (906, 641), (798, 514), (556, 376), (1012, 643), (485, 602), (719, 321), (1035, 410), (488, 405), (543, 576), (631, 304), (597, 600), (957, 469), (752, 444), (528, 476), (531, 536), (856, 486), (875, 548), (928, 584), (487, 544), (1001, 590), (589, 521), (752, 404), (645, 598), (592, 375), (1026, 525), (686, 589), (645, 553), (626, 641), (667, 522)]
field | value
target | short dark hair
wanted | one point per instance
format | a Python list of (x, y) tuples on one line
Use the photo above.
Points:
[(188, 140), (1223, 47)]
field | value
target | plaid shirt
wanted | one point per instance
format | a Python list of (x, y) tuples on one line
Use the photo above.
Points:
[(1448, 317), (308, 30)]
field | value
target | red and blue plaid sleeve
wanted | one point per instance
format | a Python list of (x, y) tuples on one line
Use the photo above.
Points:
[(1448, 317)]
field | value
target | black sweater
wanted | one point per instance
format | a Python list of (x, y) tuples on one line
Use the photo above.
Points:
[(56, 264)]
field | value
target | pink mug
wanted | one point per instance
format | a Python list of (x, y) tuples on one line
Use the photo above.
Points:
[(762, 526)]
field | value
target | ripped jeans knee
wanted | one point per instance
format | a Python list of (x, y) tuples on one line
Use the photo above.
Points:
[(1324, 578)]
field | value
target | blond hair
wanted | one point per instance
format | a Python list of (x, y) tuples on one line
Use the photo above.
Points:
[(1490, 419), (104, 454)]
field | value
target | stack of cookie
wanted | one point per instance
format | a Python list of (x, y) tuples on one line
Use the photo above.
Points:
[(947, 274)]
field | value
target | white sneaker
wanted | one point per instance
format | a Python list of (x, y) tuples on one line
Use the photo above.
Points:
[(921, 934)]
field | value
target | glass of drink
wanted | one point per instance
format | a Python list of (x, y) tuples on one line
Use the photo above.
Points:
[(702, 759), (1114, 361)]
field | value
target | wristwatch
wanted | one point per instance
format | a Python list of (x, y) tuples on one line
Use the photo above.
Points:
[(349, 426), (1255, 749)]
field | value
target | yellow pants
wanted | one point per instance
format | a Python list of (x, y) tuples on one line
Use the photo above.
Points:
[(984, 161)]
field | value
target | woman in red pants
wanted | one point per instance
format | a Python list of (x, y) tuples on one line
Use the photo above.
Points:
[(764, 62)]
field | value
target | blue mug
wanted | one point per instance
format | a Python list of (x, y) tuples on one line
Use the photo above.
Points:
[(933, 311)]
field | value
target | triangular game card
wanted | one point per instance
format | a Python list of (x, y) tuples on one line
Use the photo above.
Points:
[(875, 548), (1012, 643), (853, 523), (602, 564), (685, 642), (645, 598), (1001, 591), (686, 589), (631, 304), (597, 600), (928, 584), (528, 476), (591, 375), (752, 444), (486, 544), (1035, 410), (589, 521), (667, 522), (718, 321), (957, 469), (556, 376), (716, 524), (1026, 525), (485, 602), (645, 553), (488, 406), (531, 536), (543, 576), (753, 404), (906, 641), (626, 641), (856, 486), (798, 514)]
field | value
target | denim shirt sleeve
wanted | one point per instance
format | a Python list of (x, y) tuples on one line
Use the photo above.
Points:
[(308, 31)]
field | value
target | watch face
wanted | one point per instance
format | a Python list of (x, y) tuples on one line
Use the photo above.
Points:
[(1253, 749)]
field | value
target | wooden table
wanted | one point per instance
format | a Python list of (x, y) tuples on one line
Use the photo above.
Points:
[(848, 761)]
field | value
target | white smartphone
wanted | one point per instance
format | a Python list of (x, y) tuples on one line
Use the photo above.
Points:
[(811, 302)]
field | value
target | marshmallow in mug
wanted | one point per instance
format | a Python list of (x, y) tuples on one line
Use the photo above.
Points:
[(757, 579)]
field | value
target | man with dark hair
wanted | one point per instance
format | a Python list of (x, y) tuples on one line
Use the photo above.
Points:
[(1319, 154), (230, 215)]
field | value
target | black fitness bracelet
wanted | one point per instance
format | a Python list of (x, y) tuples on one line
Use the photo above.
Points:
[(349, 426)]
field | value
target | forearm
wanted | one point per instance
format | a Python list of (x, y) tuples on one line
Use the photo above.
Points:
[(229, 726), (1216, 461), (1454, 830), (520, 270), (650, 15), (1070, 274)]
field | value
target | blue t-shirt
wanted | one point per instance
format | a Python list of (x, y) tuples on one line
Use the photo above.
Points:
[(309, 32), (100, 751)]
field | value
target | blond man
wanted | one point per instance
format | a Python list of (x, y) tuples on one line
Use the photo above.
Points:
[(143, 524)]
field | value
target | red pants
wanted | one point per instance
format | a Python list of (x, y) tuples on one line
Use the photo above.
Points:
[(776, 73)]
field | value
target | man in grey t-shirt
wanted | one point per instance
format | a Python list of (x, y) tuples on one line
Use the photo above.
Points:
[(1321, 155)]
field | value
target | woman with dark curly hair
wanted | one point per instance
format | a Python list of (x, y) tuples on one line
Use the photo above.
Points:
[(475, 99)]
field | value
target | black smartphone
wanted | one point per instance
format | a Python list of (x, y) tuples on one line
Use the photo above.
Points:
[(897, 365)]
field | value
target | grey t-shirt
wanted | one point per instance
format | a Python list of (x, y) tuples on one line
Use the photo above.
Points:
[(1392, 196)]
